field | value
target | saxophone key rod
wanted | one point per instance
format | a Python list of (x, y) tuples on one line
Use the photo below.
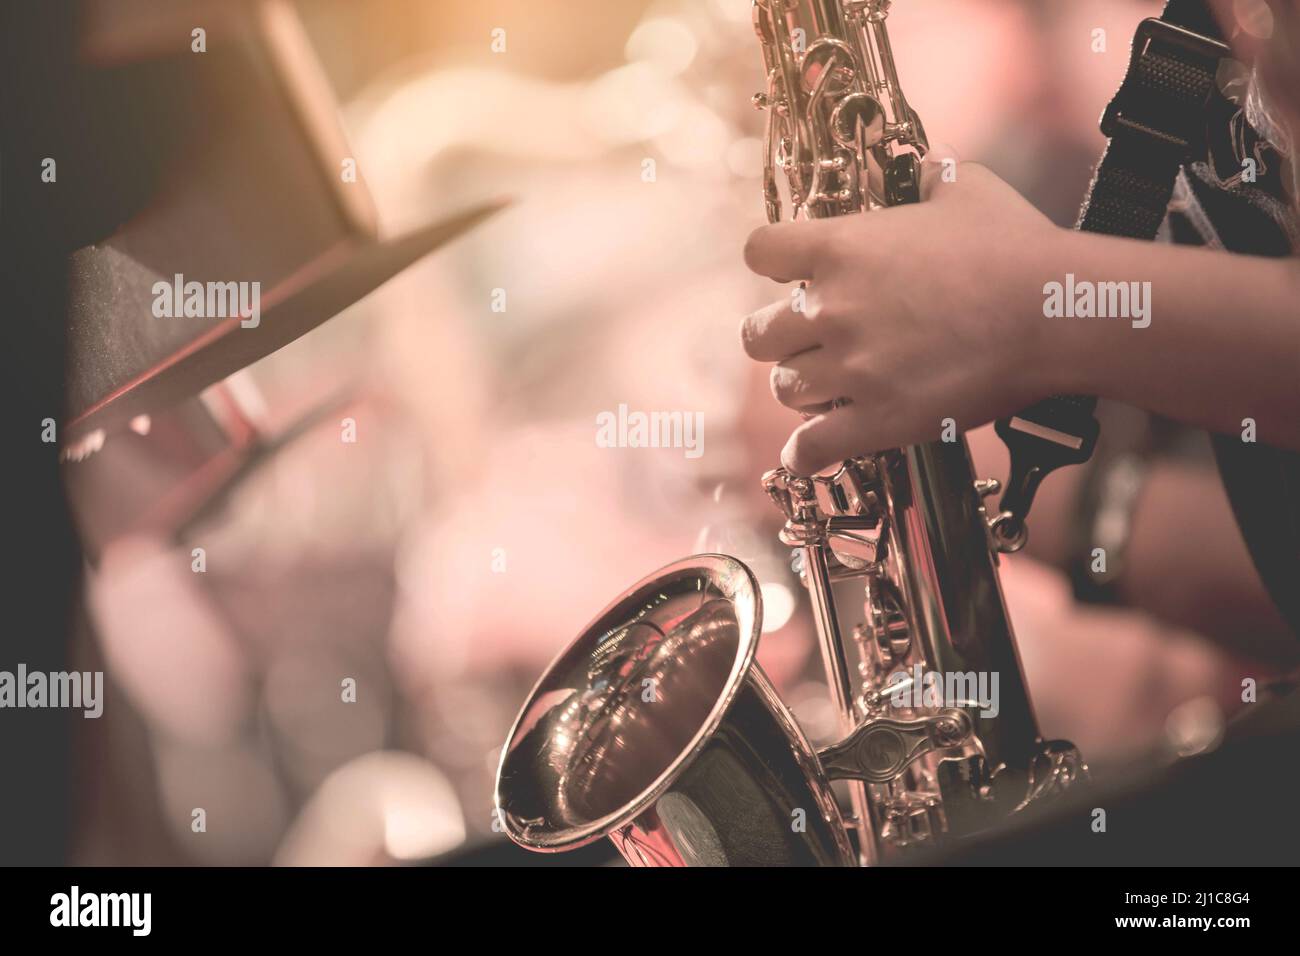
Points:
[(840, 684)]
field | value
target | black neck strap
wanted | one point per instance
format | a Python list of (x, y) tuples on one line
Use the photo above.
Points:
[(1155, 124)]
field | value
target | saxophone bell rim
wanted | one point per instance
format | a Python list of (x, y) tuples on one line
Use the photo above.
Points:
[(740, 588)]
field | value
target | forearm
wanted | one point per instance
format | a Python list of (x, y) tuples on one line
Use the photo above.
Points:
[(1223, 343)]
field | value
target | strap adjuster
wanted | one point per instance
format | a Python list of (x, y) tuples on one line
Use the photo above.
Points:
[(1149, 31), (1054, 433)]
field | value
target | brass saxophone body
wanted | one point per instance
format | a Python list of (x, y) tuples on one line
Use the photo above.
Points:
[(657, 728)]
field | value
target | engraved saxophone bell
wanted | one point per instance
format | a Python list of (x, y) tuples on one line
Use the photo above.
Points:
[(658, 729)]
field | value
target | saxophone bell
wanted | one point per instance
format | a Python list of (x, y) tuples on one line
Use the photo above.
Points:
[(657, 728)]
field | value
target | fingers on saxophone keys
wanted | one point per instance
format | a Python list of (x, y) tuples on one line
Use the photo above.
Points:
[(778, 331), (823, 440), (803, 382)]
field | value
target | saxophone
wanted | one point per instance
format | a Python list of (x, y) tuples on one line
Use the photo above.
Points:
[(657, 728)]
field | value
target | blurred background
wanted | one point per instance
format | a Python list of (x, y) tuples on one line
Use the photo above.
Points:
[(321, 589)]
